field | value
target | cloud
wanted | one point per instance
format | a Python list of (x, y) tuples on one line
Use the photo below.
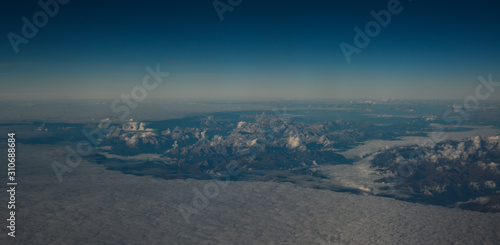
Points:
[(244, 212), (490, 184), (265, 212), (132, 141), (293, 142), (140, 157), (133, 132)]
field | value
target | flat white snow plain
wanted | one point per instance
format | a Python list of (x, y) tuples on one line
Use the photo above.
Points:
[(97, 206)]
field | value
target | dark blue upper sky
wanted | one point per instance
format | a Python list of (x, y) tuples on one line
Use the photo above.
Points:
[(262, 49)]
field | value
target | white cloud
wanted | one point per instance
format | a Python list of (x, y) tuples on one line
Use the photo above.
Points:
[(293, 142), (132, 141), (240, 124), (490, 184), (243, 213)]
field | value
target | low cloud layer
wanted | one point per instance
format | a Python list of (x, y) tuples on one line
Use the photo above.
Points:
[(97, 206)]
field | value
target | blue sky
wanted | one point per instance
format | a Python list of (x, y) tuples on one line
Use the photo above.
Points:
[(262, 50)]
